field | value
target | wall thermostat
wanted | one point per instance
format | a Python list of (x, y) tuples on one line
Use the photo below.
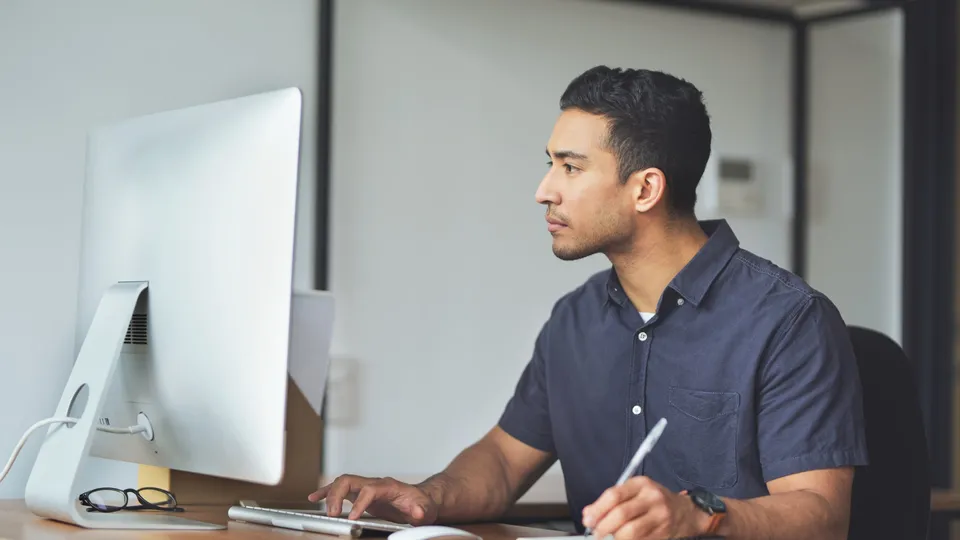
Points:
[(739, 190)]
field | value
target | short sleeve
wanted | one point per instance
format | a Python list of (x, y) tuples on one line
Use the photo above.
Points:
[(527, 414), (810, 410)]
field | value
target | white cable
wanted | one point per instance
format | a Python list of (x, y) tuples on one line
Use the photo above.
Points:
[(122, 430), (23, 440), (60, 420)]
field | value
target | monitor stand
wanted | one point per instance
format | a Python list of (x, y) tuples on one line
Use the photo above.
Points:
[(52, 490)]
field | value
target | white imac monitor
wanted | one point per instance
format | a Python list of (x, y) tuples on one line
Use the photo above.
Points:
[(187, 314)]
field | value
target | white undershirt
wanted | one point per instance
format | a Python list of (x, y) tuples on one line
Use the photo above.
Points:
[(646, 315)]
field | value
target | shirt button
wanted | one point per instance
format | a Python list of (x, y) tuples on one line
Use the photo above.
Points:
[(679, 301), (636, 409), (642, 336)]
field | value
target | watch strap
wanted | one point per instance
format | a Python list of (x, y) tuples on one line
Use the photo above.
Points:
[(715, 517), (714, 524)]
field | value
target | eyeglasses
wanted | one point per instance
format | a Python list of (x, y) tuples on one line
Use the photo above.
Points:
[(114, 500)]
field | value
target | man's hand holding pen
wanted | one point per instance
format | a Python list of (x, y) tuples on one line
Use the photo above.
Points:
[(642, 509)]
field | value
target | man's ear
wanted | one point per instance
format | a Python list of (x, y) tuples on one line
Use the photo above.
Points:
[(648, 187)]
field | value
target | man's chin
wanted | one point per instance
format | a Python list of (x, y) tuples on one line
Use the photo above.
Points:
[(566, 253)]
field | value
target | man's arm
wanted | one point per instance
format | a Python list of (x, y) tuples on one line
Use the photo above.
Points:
[(484, 481), (481, 483), (813, 504)]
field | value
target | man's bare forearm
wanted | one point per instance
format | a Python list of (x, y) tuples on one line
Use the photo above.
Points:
[(474, 487), (797, 515)]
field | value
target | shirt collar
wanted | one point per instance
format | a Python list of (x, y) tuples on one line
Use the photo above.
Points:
[(694, 280)]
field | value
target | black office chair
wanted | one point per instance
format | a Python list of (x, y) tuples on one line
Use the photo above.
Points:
[(891, 495)]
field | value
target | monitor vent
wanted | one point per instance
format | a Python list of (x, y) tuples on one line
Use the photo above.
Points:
[(137, 331)]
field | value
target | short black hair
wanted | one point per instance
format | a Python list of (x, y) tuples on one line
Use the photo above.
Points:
[(656, 120)]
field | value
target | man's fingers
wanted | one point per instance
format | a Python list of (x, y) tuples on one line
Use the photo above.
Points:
[(319, 494), (411, 508), (341, 488), (365, 497), (654, 521), (638, 528), (609, 499), (592, 513), (619, 516), (384, 497)]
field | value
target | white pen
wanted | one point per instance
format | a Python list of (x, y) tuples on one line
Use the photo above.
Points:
[(645, 447)]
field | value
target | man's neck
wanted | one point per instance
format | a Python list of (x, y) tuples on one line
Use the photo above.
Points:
[(654, 259)]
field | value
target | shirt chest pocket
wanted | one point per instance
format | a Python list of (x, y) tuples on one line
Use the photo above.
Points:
[(703, 428)]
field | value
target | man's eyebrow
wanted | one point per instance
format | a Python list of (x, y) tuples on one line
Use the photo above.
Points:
[(567, 154)]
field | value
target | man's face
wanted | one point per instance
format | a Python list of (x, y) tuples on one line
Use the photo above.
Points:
[(588, 209)]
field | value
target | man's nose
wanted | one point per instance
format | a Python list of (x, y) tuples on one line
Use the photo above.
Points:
[(546, 194)]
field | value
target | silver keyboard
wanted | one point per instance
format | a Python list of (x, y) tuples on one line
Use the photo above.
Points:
[(311, 522)]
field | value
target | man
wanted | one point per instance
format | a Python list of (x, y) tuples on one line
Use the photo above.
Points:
[(752, 368)]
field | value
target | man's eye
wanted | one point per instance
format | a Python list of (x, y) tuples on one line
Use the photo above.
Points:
[(570, 168), (549, 164)]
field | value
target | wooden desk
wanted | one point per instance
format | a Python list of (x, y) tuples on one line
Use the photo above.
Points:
[(17, 523), (945, 500), (944, 509)]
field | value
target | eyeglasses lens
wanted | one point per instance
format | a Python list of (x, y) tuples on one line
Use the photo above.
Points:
[(158, 497), (107, 500)]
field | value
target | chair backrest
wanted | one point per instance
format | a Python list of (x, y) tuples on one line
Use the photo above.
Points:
[(891, 495)]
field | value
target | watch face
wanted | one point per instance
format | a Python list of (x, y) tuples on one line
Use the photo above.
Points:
[(708, 501)]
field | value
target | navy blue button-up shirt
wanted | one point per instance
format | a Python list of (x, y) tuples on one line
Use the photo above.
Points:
[(752, 368)]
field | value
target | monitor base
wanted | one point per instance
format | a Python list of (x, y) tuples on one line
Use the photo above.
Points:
[(137, 520), (52, 490)]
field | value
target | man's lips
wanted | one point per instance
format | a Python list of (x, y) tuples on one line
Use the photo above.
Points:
[(554, 225)]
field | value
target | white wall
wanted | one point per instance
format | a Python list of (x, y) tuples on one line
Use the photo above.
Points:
[(440, 258), (855, 186), (65, 66)]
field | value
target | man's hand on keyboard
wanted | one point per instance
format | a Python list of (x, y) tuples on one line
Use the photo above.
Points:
[(383, 498)]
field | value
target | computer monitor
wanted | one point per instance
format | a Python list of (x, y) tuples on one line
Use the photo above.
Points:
[(186, 306)]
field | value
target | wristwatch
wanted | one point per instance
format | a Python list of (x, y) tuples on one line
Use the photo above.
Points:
[(709, 503)]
